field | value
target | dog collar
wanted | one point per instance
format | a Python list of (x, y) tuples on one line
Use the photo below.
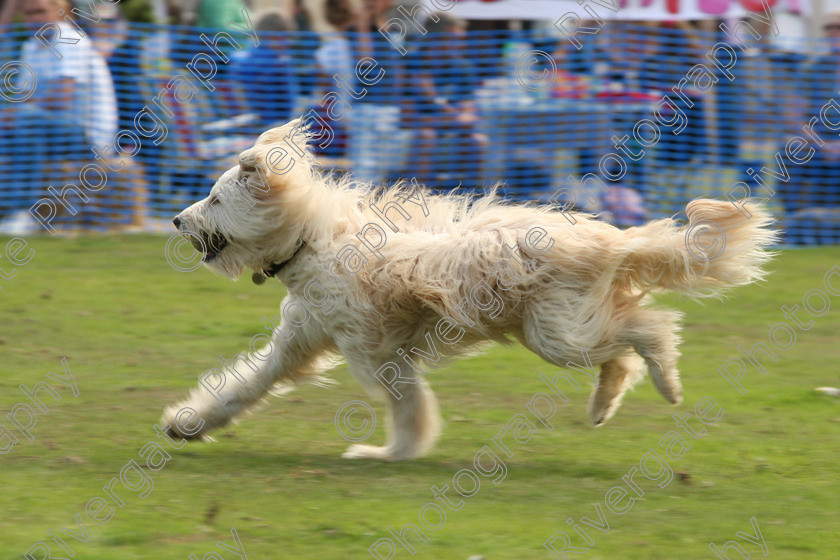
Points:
[(260, 277)]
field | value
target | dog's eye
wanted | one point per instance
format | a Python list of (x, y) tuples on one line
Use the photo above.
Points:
[(213, 200)]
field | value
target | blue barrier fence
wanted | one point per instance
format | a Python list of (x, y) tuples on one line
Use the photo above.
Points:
[(129, 128)]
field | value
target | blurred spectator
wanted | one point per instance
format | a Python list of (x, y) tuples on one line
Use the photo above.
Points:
[(753, 115), (487, 46), (681, 49), (301, 15), (114, 41), (632, 61), (140, 54), (335, 55), (335, 58), (120, 44), (72, 108), (214, 14), (305, 44), (370, 43), (217, 14), (266, 72), (635, 67), (372, 17), (209, 15), (109, 31), (566, 85), (444, 113), (817, 183), (623, 206)]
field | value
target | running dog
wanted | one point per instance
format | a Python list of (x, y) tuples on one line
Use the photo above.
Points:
[(373, 274)]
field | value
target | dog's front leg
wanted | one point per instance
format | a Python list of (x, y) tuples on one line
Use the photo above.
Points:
[(292, 354), (414, 427)]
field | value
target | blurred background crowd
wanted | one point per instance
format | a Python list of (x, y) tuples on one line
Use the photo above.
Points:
[(468, 103)]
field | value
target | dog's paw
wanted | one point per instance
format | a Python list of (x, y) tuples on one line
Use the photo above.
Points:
[(673, 392), (368, 452), (172, 433), (669, 387), (603, 404), (174, 430), (598, 421), (677, 397), (599, 413)]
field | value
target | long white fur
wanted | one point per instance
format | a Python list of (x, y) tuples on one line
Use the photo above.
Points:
[(588, 292)]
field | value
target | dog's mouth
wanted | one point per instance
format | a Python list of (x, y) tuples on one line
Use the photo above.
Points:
[(212, 245)]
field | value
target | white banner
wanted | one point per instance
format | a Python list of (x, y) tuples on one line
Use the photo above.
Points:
[(651, 10)]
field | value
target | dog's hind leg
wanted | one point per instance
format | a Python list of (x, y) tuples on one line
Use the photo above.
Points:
[(654, 333), (616, 377), (414, 425), (293, 354)]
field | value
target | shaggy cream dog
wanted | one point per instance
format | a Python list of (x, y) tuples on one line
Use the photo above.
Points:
[(371, 294)]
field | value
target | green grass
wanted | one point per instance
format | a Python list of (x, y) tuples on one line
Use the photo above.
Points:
[(137, 334)]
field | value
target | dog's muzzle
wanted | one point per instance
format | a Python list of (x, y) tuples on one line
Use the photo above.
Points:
[(210, 245)]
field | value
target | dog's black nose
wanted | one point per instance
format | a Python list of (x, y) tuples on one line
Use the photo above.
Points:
[(177, 221)]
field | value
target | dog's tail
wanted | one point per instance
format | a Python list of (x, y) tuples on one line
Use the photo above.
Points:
[(722, 246)]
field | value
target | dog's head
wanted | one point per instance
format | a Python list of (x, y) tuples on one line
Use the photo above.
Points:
[(254, 214)]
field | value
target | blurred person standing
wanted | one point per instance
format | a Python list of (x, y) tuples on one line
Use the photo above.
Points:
[(306, 42), (681, 48), (369, 42), (567, 84), (335, 55), (72, 108), (266, 72), (632, 61), (335, 61), (753, 114), (817, 183), (633, 65), (218, 14), (212, 15), (113, 40), (441, 95)]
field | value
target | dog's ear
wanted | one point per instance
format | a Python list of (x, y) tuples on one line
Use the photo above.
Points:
[(277, 161), (294, 136), (252, 172)]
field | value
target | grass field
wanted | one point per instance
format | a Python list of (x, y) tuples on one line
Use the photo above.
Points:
[(137, 334)]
